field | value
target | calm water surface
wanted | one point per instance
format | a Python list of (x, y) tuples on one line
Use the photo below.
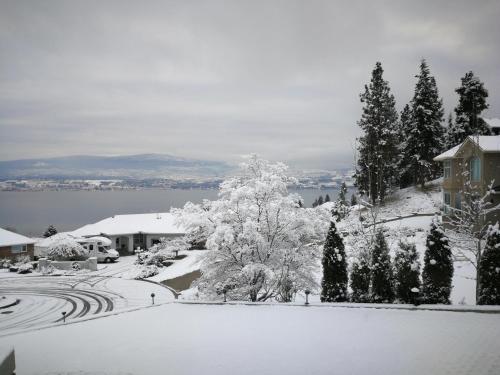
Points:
[(30, 213)]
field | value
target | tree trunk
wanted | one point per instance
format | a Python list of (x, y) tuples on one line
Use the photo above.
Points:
[(478, 272)]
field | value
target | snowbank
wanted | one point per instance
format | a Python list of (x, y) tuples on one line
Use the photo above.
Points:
[(265, 339)]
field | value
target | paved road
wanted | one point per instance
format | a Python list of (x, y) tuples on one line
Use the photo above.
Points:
[(42, 299)]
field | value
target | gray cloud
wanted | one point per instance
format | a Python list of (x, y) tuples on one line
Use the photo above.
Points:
[(217, 79)]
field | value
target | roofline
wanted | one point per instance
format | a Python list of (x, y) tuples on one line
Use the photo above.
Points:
[(469, 138), (129, 234)]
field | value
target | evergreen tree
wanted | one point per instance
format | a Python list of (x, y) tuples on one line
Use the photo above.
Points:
[(342, 206), (471, 102), (354, 199), (452, 133), (320, 200), (377, 148), (489, 285), (315, 203), (381, 271), (360, 281), (425, 136), (438, 266), (406, 272), (406, 176), (51, 230), (327, 198), (334, 284)]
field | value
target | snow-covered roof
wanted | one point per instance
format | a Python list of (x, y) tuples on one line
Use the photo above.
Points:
[(159, 223), (8, 238), (49, 241), (487, 143)]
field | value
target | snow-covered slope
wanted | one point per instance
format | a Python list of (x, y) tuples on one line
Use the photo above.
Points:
[(407, 216)]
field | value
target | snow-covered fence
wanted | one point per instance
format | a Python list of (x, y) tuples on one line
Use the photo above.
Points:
[(46, 265)]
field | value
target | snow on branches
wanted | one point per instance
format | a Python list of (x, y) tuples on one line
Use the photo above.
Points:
[(262, 244), (66, 249)]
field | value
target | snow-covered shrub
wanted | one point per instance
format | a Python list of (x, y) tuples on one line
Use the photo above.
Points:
[(406, 272), (67, 249), (381, 271), (489, 286), (25, 268), (438, 266), (334, 283), (5, 263), (145, 272), (261, 243)]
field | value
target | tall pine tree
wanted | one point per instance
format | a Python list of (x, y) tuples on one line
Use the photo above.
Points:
[(406, 177), (438, 266), (377, 148), (425, 137), (406, 272), (381, 271), (334, 284), (471, 102), (489, 283)]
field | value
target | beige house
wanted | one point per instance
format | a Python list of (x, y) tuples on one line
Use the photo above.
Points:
[(476, 159)]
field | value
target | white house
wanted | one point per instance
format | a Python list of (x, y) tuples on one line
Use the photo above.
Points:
[(129, 232)]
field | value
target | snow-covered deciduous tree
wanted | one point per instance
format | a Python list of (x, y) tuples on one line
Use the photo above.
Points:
[(471, 102), (469, 225), (334, 283), (381, 290), (261, 243), (489, 286), (51, 230), (406, 272), (438, 266), (66, 249), (425, 134), (378, 152)]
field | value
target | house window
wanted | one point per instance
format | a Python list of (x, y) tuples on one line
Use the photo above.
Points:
[(447, 168), (475, 169), (458, 201), (447, 201), (17, 249)]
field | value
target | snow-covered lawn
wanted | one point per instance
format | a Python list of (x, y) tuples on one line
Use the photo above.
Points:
[(265, 339)]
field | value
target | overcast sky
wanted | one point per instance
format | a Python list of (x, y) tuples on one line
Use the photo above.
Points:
[(217, 79)]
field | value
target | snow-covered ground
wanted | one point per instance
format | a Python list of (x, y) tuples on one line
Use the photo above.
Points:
[(265, 339), (42, 299)]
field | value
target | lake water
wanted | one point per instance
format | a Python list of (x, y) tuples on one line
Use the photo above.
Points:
[(31, 212)]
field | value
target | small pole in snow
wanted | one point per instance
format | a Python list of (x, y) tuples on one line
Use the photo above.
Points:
[(64, 316), (153, 298), (415, 294), (307, 296), (224, 291)]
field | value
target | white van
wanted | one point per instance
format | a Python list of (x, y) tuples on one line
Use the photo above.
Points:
[(100, 247)]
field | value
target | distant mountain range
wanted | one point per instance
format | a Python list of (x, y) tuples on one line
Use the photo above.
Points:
[(113, 167)]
